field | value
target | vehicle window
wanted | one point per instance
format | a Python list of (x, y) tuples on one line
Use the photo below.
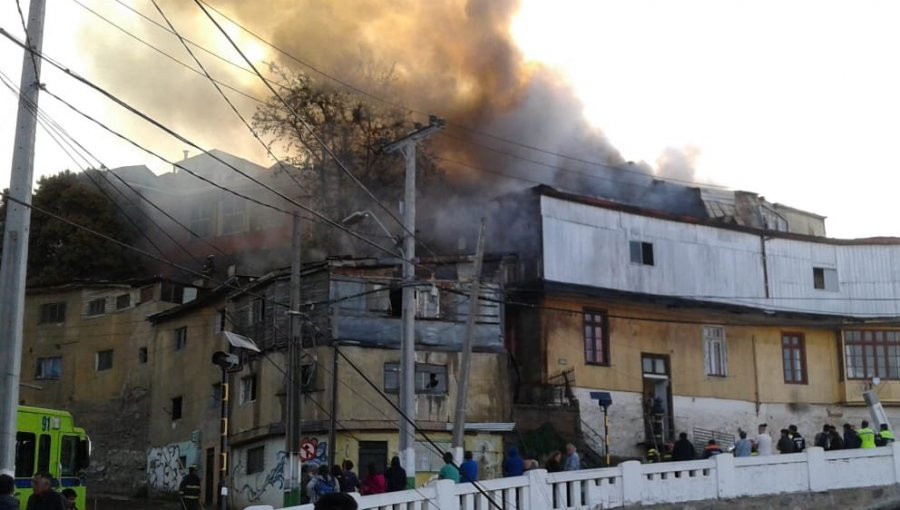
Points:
[(24, 455), (68, 456), (44, 453)]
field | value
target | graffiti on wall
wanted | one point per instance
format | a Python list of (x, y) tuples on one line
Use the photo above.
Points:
[(165, 468), (313, 451), (254, 488)]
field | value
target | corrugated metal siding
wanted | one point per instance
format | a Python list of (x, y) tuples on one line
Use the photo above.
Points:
[(587, 245)]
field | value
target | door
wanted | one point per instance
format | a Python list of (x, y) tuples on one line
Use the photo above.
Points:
[(372, 452), (209, 469), (658, 413)]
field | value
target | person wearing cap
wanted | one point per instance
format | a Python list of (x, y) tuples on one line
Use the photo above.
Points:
[(190, 489), (763, 441)]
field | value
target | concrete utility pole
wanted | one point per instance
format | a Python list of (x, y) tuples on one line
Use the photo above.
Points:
[(462, 391), (295, 383), (407, 146), (15, 239)]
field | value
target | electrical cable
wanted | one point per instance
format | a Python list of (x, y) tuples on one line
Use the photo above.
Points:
[(305, 124), (185, 140), (461, 127), (221, 92)]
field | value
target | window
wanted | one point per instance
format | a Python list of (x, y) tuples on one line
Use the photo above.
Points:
[(215, 396), (257, 311), (428, 303), (641, 252), (220, 320), (248, 389), (142, 355), (49, 368), (234, 211), (201, 220), (68, 455), (825, 279), (97, 306), (176, 408), (43, 463), (172, 293), (104, 360), (25, 449), (596, 338), (147, 294), (52, 313), (793, 351), (123, 301), (653, 365), (428, 458), (256, 459), (715, 354), (180, 338), (308, 378), (429, 379), (869, 354)]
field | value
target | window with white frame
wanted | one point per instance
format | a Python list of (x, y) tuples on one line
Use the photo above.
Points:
[(428, 303), (715, 352), (428, 458), (825, 278), (641, 252)]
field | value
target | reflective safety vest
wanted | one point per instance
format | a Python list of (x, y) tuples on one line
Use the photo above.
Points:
[(887, 436), (866, 437), (190, 487)]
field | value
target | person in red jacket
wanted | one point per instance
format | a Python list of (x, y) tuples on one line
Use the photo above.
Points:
[(374, 483)]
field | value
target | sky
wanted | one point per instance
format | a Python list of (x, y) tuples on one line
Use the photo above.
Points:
[(796, 100)]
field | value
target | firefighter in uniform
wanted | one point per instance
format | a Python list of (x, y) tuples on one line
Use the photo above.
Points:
[(866, 436), (887, 437), (190, 490)]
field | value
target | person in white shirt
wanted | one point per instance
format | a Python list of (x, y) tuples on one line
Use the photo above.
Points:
[(763, 441)]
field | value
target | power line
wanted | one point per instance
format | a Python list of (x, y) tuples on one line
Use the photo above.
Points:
[(306, 125), (185, 140), (224, 96), (465, 140), (461, 127)]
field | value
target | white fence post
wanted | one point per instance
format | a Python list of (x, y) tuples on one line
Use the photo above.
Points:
[(539, 491), (632, 482), (726, 477), (446, 495), (895, 456), (815, 464)]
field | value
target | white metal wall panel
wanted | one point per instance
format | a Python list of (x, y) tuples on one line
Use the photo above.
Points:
[(589, 245)]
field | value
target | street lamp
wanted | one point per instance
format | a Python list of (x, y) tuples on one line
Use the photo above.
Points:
[(359, 216), (605, 400)]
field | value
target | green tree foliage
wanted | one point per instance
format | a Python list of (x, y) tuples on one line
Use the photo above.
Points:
[(58, 252)]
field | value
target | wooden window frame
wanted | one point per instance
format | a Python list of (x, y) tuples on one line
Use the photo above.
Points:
[(879, 352), (804, 367), (595, 356)]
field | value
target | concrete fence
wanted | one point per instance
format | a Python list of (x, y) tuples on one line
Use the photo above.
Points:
[(633, 483)]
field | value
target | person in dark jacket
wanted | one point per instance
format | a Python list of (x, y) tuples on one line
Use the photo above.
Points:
[(799, 441), (8, 499), (836, 442), (712, 449), (396, 476), (513, 465), (349, 480), (336, 501), (468, 470), (851, 439), (70, 497), (683, 449), (785, 444), (554, 462), (44, 497)]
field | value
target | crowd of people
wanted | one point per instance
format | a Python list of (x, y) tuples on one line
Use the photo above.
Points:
[(43, 497), (789, 441)]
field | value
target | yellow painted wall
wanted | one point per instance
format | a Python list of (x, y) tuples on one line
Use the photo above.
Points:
[(635, 330), (486, 448)]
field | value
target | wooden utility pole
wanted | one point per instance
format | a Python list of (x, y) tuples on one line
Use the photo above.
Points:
[(407, 146), (15, 238), (293, 429), (462, 390)]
